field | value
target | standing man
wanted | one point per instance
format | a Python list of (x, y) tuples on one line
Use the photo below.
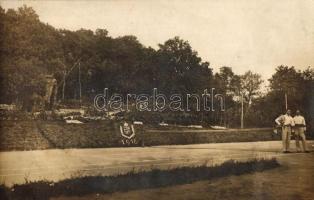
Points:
[(286, 121), (299, 130)]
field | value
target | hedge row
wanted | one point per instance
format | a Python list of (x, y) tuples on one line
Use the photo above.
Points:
[(155, 137), (31, 134)]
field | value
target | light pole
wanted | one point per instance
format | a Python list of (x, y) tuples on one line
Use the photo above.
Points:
[(242, 123), (286, 101), (80, 85)]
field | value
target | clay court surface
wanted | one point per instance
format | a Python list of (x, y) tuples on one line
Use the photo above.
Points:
[(58, 164)]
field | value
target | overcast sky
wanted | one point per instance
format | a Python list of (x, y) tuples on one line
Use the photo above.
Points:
[(253, 34)]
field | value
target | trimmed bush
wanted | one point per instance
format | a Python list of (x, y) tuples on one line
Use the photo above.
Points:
[(38, 134)]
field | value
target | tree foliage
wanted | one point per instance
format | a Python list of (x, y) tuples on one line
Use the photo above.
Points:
[(85, 62)]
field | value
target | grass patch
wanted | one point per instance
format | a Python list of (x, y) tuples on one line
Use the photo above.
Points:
[(132, 181)]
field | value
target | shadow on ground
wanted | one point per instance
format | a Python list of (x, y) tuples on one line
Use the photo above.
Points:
[(133, 180)]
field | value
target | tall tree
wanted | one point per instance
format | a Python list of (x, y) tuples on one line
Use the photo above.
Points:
[(288, 81), (28, 50), (250, 85), (181, 66)]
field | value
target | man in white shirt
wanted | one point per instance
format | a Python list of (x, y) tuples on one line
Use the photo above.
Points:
[(286, 121), (299, 129)]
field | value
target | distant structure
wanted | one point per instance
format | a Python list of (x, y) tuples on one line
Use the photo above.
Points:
[(51, 92)]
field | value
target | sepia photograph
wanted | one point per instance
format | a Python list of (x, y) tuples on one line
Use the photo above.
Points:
[(156, 100)]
